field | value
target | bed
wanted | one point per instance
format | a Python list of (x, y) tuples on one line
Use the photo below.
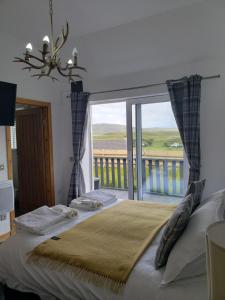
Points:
[(143, 283)]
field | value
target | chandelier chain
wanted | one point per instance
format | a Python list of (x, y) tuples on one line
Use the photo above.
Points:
[(51, 21), (50, 6)]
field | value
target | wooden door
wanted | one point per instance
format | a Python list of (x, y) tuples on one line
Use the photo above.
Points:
[(32, 159)]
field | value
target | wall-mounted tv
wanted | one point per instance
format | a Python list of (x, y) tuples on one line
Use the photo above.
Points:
[(7, 103)]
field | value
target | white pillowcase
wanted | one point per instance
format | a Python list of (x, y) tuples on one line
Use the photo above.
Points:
[(187, 258), (212, 197)]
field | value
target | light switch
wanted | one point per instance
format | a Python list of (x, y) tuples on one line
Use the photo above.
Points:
[(2, 167)]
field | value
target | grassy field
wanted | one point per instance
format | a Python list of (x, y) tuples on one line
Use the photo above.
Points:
[(146, 153), (110, 141), (160, 139), (155, 142)]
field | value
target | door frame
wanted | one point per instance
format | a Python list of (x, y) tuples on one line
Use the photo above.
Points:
[(137, 102), (47, 106)]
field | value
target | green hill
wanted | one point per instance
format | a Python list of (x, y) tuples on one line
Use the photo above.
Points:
[(100, 129), (153, 138)]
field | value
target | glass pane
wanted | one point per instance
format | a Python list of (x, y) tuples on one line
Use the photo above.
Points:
[(110, 148), (162, 154)]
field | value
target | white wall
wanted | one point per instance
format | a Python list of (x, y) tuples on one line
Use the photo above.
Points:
[(43, 90), (183, 42), (188, 34)]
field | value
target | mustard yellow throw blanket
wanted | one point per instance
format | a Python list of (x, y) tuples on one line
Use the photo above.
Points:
[(104, 248)]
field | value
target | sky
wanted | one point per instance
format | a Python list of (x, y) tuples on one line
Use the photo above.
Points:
[(154, 115)]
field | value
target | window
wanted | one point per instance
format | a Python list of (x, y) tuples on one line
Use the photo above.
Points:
[(137, 150)]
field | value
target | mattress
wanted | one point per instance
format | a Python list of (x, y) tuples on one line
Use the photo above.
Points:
[(144, 282)]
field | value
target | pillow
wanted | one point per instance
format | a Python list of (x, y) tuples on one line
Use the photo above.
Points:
[(187, 259), (212, 197), (173, 230), (196, 188)]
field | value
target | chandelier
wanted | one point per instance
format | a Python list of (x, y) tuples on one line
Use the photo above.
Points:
[(50, 55)]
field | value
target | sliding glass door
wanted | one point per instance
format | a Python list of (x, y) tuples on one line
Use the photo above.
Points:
[(155, 152), (137, 150)]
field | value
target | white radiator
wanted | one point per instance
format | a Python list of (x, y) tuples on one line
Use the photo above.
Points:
[(5, 225), (6, 205), (6, 196)]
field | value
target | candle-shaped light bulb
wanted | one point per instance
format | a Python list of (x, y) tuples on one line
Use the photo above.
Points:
[(45, 45), (70, 62), (75, 52), (46, 40), (29, 47)]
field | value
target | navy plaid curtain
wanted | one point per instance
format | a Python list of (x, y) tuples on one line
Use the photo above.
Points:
[(185, 97), (79, 104)]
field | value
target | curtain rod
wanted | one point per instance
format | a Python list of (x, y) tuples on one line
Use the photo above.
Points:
[(147, 86)]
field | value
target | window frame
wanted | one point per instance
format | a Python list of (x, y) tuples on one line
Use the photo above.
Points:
[(129, 101)]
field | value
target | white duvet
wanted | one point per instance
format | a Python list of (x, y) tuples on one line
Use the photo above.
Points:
[(144, 282)]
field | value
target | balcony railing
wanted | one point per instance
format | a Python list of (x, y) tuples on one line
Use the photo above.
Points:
[(160, 176)]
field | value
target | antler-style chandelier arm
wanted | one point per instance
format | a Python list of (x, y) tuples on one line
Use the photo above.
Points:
[(69, 74), (78, 68), (62, 39), (59, 65), (18, 59), (44, 74), (38, 59)]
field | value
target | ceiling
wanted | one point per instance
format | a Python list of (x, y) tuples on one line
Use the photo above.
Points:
[(28, 19), (117, 37)]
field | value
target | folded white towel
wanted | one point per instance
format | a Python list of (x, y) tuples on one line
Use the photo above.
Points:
[(41, 220), (100, 196), (85, 204), (68, 212)]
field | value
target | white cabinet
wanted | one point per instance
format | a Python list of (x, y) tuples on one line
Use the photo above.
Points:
[(216, 260)]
